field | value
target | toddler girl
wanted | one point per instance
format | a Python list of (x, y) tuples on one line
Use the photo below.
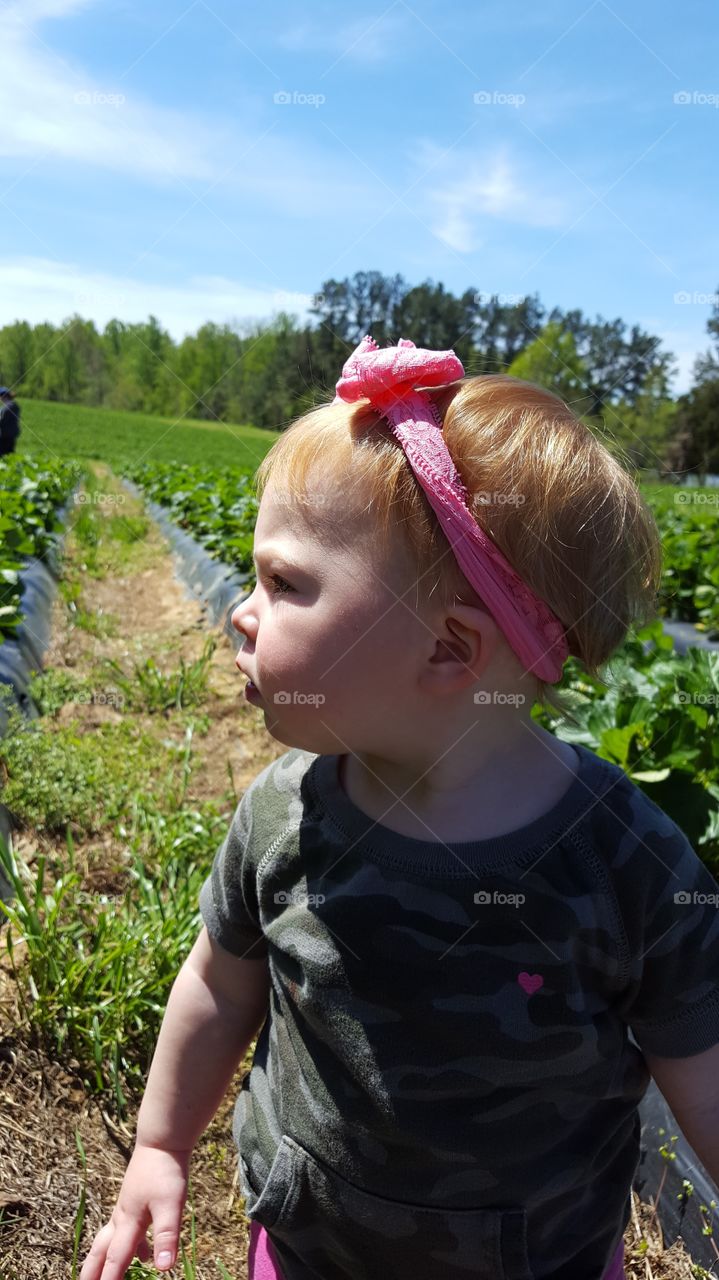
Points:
[(467, 944)]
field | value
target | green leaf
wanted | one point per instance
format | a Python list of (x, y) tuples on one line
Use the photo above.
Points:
[(618, 742)]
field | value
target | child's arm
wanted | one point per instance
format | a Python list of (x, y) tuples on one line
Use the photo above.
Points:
[(691, 1087), (216, 1005)]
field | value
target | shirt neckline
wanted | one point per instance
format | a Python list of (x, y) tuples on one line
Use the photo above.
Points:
[(381, 844)]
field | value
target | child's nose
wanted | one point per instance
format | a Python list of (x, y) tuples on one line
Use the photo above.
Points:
[(238, 616)]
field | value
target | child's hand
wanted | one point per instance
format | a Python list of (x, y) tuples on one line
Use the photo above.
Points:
[(153, 1190)]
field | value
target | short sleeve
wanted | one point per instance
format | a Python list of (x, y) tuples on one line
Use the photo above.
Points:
[(672, 999), (228, 898)]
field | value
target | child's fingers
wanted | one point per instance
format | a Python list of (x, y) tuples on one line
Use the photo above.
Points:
[(94, 1262), (113, 1249), (166, 1221), (121, 1249), (93, 1266)]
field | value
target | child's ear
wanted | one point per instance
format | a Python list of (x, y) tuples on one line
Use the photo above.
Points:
[(465, 642)]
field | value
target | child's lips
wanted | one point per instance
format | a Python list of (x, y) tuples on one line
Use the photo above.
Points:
[(250, 688)]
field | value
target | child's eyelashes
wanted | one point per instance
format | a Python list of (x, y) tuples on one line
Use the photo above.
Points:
[(275, 578)]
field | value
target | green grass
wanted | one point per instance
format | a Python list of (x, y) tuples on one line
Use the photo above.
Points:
[(700, 502), (59, 776), (149, 689), (81, 431), (86, 984)]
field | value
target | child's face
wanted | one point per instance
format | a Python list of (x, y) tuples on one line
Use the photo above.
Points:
[(326, 639)]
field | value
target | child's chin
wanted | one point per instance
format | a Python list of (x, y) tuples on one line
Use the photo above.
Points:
[(302, 738)]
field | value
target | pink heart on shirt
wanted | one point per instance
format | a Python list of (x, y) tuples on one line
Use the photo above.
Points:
[(530, 982)]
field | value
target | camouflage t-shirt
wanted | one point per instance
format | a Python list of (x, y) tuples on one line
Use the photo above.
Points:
[(446, 1085)]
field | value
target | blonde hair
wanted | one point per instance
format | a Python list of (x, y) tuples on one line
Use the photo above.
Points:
[(558, 504)]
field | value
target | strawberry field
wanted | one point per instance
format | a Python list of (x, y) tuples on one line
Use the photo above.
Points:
[(122, 786)]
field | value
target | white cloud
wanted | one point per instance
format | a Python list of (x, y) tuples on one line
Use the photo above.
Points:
[(39, 289), (468, 190), (53, 111), (29, 11), (49, 108)]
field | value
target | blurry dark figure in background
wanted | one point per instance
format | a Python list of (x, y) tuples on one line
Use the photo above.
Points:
[(9, 421)]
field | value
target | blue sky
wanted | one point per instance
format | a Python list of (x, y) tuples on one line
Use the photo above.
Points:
[(149, 166)]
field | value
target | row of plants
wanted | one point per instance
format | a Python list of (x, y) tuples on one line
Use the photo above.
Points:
[(655, 714), (218, 507), (31, 492), (690, 573)]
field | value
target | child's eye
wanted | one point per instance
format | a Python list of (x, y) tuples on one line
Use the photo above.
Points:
[(278, 591)]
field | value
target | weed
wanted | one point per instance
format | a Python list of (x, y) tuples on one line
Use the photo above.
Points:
[(668, 1154), (87, 985), (127, 529), (96, 623), (52, 689), (56, 776), (149, 689)]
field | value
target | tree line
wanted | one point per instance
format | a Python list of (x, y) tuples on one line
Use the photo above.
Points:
[(266, 373)]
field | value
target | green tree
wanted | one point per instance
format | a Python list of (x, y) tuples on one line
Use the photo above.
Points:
[(695, 446), (617, 366), (706, 366), (16, 353), (551, 361), (504, 329), (643, 430)]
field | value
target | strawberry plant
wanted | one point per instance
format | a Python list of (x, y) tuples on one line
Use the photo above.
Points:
[(30, 494), (218, 507)]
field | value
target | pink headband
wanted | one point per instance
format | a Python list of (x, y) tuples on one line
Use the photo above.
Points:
[(387, 378)]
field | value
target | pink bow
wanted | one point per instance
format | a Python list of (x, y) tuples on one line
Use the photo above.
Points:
[(381, 376)]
